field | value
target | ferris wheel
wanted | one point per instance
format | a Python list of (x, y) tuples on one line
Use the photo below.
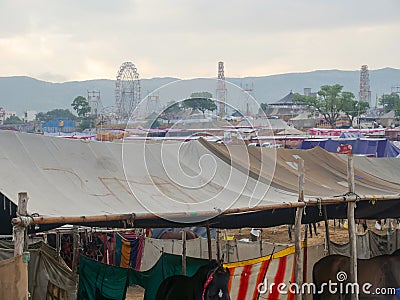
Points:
[(127, 91)]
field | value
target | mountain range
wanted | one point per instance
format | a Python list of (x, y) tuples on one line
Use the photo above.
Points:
[(20, 93)]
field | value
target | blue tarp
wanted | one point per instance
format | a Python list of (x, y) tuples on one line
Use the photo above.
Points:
[(362, 146)]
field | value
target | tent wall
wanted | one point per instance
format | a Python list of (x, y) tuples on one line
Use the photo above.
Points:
[(370, 245), (232, 250), (45, 274)]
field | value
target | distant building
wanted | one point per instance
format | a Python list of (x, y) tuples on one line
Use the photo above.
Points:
[(59, 125), (29, 116), (284, 108), (4, 115)]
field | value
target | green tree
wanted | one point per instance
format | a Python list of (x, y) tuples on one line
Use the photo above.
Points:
[(201, 104), (87, 123), (55, 113), (81, 106), (264, 106), (353, 108), (171, 111), (391, 102), (329, 102), (13, 120)]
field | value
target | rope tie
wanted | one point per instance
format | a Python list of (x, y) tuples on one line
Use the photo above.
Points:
[(25, 220), (319, 203), (304, 210), (350, 194), (206, 284)]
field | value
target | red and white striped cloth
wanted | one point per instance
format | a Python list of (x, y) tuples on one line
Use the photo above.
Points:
[(247, 275)]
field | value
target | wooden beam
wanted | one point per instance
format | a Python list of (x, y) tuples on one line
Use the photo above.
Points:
[(298, 271), (312, 201), (352, 225), (19, 229)]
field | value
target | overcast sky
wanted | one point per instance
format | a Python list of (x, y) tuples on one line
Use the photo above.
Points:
[(59, 40)]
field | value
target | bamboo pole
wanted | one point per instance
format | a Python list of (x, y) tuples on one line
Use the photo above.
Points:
[(298, 271), (352, 224), (209, 241), (217, 237), (75, 250), (21, 243), (311, 201), (183, 252), (19, 229)]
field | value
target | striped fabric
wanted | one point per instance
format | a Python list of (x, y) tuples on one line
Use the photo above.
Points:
[(131, 250), (247, 275)]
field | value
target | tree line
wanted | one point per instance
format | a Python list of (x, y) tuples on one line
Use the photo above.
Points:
[(331, 102)]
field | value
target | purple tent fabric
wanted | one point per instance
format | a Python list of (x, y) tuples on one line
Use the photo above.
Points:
[(370, 147)]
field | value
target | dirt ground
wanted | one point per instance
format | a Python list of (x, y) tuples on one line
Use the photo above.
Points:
[(280, 235)]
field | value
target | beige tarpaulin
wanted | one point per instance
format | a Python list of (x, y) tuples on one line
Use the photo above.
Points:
[(325, 173), (290, 131), (66, 177), (73, 178), (14, 279)]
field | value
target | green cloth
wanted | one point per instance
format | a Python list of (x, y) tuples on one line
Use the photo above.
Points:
[(110, 281)]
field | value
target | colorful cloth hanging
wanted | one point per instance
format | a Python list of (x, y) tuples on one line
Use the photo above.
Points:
[(129, 250), (100, 281)]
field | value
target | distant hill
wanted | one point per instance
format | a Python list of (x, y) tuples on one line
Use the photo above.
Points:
[(21, 93)]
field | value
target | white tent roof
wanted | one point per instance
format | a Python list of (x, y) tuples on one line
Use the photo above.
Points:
[(65, 177)]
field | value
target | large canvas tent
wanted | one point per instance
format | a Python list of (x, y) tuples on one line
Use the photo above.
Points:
[(183, 181)]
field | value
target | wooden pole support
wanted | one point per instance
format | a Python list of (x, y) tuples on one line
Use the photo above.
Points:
[(75, 253), (298, 271), (217, 237), (183, 252), (209, 241), (19, 229), (352, 225)]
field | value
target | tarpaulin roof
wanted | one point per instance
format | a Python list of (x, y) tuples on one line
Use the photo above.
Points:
[(66, 177)]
